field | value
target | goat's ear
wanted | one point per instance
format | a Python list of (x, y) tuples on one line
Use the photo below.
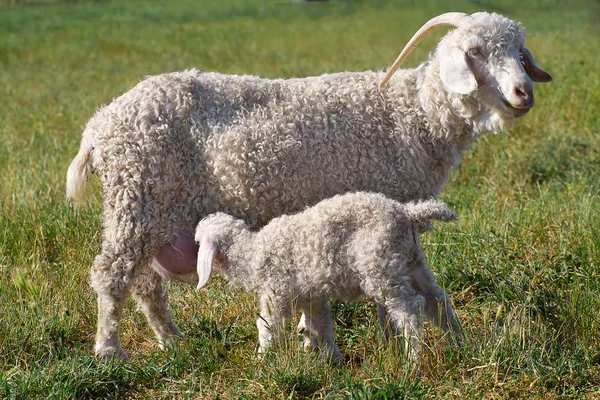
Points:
[(206, 255), (456, 73), (534, 72)]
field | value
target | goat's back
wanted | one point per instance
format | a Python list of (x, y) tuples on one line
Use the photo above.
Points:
[(259, 148)]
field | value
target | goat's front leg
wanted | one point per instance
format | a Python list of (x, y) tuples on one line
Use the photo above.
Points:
[(318, 328), (274, 315)]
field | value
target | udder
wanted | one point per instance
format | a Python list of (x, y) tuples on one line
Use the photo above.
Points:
[(177, 259)]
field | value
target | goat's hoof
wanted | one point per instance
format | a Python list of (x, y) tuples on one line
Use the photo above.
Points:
[(164, 344), (260, 355), (457, 342), (112, 354), (337, 357), (310, 344)]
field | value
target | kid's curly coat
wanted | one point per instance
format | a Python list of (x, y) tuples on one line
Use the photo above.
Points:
[(182, 145), (342, 248)]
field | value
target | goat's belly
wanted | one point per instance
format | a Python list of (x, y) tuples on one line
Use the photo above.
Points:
[(177, 259)]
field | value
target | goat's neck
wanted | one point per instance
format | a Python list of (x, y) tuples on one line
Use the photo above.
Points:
[(450, 117), (441, 132), (238, 270), (421, 97)]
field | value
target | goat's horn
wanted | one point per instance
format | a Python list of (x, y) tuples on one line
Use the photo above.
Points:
[(452, 18)]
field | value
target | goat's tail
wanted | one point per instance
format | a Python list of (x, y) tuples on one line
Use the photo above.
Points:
[(79, 171), (421, 213)]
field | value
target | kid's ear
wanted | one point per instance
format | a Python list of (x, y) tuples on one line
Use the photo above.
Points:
[(206, 255), (456, 73)]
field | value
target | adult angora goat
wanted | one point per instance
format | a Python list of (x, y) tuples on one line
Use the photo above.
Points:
[(183, 145)]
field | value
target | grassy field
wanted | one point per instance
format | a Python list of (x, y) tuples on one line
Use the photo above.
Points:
[(522, 265)]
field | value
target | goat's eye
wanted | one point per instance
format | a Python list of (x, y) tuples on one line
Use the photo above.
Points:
[(474, 52)]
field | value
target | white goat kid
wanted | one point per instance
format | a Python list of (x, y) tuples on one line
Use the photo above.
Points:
[(180, 146), (342, 248)]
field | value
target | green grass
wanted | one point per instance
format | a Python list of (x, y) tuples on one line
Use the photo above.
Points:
[(522, 265)]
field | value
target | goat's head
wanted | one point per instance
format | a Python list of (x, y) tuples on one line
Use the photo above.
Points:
[(215, 234), (484, 58)]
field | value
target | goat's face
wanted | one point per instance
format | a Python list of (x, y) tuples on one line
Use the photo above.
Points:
[(215, 234), (484, 64), (486, 59)]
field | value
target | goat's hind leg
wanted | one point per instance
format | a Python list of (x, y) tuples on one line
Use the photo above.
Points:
[(110, 310), (112, 276), (310, 341), (404, 307), (438, 307), (127, 248), (152, 300)]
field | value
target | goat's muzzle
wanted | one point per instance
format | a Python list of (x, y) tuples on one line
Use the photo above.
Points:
[(524, 96)]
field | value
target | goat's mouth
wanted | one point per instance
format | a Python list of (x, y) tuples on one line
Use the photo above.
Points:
[(516, 111)]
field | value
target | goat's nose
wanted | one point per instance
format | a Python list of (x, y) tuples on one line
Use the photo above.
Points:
[(525, 96)]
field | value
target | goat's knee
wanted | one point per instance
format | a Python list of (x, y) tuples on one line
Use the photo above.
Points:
[(387, 329)]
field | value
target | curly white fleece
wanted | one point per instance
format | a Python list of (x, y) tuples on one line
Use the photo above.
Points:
[(342, 248), (182, 145)]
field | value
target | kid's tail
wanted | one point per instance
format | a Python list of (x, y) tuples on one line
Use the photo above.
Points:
[(421, 213)]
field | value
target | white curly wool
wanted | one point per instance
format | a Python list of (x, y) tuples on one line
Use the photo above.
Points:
[(182, 145), (342, 248)]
